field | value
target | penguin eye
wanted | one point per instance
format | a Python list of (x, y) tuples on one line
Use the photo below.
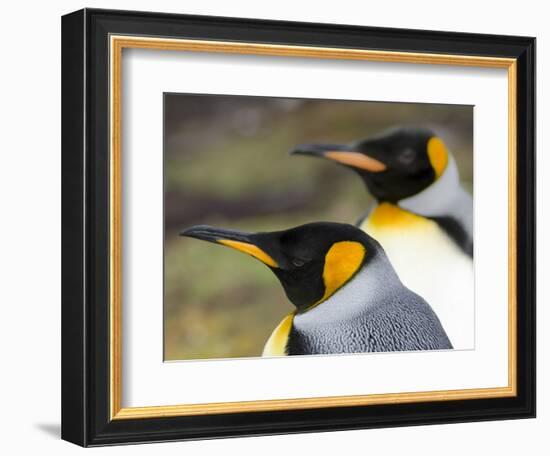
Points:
[(298, 263), (407, 156)]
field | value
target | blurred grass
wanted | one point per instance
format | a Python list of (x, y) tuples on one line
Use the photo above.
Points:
[(221, 303)]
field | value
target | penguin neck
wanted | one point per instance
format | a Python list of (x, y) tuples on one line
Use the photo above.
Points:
[(371, 284), (445, 203), (444, 198)]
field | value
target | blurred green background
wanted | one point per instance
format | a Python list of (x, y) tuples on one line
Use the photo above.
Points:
[(227, 164)]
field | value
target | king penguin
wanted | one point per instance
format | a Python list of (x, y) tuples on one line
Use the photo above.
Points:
[(422, 217), (347, 295)]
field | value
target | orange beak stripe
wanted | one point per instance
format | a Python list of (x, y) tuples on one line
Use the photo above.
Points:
[(250, 249), (357, 160)]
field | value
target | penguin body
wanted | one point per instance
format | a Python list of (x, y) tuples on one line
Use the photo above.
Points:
[(436, 268), (423, 218), (347, 295), (372, 313)]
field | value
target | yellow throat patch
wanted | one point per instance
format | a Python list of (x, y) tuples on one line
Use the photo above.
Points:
[(395, 229), (277, 342), (389, 216)]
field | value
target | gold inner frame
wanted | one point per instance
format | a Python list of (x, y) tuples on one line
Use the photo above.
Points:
[(117, 44)]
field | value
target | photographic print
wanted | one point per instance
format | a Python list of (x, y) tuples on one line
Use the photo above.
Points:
[(262, 202), (355, 219)]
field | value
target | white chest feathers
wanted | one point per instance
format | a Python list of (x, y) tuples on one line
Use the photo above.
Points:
[(429, 263)]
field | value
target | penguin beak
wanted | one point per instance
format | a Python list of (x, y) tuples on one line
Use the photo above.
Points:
[(341, 153), (238, 240)]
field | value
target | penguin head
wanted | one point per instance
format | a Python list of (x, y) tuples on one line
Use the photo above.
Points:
[(311, 261), (394, 165)]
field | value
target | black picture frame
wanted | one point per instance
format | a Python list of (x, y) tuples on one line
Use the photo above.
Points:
[(86, 417)]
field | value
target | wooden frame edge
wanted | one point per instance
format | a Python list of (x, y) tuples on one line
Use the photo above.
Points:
[(512, 227), (115, 234), (164, 411), (116, 45)]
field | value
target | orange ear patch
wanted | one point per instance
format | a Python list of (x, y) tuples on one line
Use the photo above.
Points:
[(438, 155), (341, 262)]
